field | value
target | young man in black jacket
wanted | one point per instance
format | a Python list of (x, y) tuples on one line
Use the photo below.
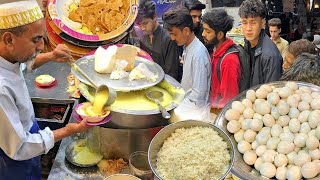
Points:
[(265, 58), (156, 40)]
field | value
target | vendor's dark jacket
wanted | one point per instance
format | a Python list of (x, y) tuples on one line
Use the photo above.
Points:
[(163, 51), (266, 61)]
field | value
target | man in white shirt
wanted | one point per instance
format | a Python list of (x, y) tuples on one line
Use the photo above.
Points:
[(22, 28), (196, 75)]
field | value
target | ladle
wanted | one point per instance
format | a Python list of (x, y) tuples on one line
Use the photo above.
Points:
[(157, 96), (112, 92)]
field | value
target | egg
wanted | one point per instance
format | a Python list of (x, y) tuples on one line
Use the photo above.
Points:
[(294, 112), (238, 136), (245, 124), (283, 108), (294, 125), (312, 143), (293, 173), (265, 130), (237, 105), (303, 106), (292, 85), (312, 133), (314, 118), (256, 124), (305, 89), (309, 170), (266, 87), (314, 154), (262, 138), (276, 130), (287, 136), (317, 132), (268, 170), (281, 173), (280, 160), (303, 116), (272, 143), (300, 140), (258, 163), (315, 95), (293, 101), (248, 113), (268, 120), (261, 150), (254, 145), (285, 147), (283, 121), (274, 113), (250, 157), (257, 116), (261, 93), (232, 114), (315, 104), (233, 126), (269, 155), (251, 95), (249, 135), (285, 92), (247, 103), (305, 128), (306, 97), (243, 146), (291, 157), (301, 159)]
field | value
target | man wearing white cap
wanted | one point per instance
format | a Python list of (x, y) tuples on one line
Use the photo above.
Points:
[(21, 142)]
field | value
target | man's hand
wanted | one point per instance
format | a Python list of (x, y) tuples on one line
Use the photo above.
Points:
[(70, 129), (78, 127), (61, 54)]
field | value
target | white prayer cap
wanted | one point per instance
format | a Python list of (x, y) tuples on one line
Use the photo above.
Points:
[(19, 13)]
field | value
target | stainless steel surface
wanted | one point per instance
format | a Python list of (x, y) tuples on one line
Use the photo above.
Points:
[(86, 64), (162, 135), (157, 97), (240, 168), (60, 71), (140, 119), (70, 154), (115, 143)]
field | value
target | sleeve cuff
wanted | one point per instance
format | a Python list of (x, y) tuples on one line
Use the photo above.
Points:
[(48, 139)]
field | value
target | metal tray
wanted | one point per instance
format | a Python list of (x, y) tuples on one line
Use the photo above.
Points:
[(86, 64), (240, 168)]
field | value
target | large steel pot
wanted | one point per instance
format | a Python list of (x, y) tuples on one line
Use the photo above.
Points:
[(240, 168), (141, 119), (158, 140)]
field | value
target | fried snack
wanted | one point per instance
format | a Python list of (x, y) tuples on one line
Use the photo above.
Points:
[(111, 167), (100, 16)]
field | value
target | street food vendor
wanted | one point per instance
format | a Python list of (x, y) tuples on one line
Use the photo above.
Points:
[(22, 29)]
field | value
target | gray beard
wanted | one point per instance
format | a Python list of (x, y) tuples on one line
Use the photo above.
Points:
[(30, 61)]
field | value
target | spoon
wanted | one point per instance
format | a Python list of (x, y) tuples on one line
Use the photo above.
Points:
[(112, 92), (157, 96)]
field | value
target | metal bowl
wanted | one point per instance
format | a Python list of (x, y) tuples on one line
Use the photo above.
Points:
[(240, 168), (70, 154), (162, 135)]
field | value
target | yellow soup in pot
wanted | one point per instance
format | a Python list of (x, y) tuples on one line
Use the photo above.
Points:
[(137, 100)]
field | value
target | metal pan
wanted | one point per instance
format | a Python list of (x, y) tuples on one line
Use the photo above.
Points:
[(70, 154)]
